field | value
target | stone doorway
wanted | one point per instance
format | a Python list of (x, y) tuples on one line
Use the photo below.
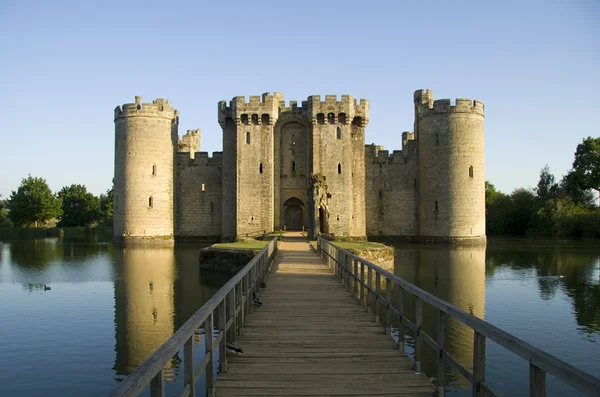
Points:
[(294, 214), (323, 226)]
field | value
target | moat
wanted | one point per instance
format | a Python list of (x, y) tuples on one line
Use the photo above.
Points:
[(108, 308)]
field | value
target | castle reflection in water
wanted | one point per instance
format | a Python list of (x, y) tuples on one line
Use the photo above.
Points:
[(156, 291)]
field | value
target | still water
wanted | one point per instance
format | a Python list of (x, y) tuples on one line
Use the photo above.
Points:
[(544, 292), (109, 308)]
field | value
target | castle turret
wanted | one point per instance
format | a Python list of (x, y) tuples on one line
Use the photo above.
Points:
[(248, 168), (145, 144), (451, 168), (338, 138)]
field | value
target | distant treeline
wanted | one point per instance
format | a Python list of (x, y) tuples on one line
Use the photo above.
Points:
[(34, 205), (559, 209)]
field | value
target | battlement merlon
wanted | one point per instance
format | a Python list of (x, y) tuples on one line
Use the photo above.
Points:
[(441, 106), (159, 108), (347, 106), (267, 104), (423, 96), (406, 137)]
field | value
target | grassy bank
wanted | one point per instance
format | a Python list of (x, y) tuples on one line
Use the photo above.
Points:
[(356, 247), (243, 245)]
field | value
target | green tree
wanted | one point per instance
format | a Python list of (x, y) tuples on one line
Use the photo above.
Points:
[(547, 188), (571, 185), (33, 203), (79, 207), (587, 163), (107, 207)]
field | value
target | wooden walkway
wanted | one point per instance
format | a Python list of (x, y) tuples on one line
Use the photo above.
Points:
[(310, 338)]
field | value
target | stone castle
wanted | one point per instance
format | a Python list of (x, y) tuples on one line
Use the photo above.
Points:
[(300, 168)]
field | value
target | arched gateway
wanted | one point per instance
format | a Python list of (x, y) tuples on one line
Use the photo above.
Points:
[(293, 209)]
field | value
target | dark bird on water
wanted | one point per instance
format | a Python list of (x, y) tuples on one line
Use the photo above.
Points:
[(46, 288)]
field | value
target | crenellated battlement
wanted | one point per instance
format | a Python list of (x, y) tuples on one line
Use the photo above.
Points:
[(200, 159), (158, 108), (345, 111), (441, 106), (258, 110)]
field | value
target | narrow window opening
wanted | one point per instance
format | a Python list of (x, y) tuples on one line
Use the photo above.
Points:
[(150, 202), (331, 118), (255, 119), (293, 139), (293, 166), (265, 119), (248, 137), (203, 187), (244, 119), (380, 195), (342, 118), (339, 133), (154, 169), (470, 171), (320, 118), (437, 138), (436, 205), (339, 168), (260, 168)]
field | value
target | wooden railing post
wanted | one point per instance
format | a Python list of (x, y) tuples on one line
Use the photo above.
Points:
[(355, 279), (478, 364), (388, 306), (362, 284), (223, 331), (157, 385), (441, 345), (537, 381), (377, 295), (231, 305), (401, 319), (188, 365), (369, 289), (208, 350), (418, 336), (348, 274)]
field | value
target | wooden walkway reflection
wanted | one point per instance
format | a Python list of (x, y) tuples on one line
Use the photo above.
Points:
[(311, 338)]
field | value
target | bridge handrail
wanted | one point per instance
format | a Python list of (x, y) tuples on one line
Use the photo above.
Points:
[(346, 267), (232, 305)]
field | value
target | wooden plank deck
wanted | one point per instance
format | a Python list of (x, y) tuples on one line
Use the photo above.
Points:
[(310, 338)]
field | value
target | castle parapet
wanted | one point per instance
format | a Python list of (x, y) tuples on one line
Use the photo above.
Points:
[(345, 111), (258, 110), (441, 106), (200, 159), (160, 108)]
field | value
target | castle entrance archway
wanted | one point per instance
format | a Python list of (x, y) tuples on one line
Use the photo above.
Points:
[(294, 214)]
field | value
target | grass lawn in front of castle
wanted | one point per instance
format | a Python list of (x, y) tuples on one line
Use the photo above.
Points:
[(356, 247), (243, 245)]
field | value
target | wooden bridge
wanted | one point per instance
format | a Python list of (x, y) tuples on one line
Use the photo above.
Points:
[(319, 333)]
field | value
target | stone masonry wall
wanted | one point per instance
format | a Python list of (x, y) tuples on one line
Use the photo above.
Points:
[(391, 193), (198, 210)]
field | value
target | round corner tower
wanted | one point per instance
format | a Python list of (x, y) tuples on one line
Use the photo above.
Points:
[(146, 137), (451, 168)]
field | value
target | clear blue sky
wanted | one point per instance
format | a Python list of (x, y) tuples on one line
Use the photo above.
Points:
[(65, 65)]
